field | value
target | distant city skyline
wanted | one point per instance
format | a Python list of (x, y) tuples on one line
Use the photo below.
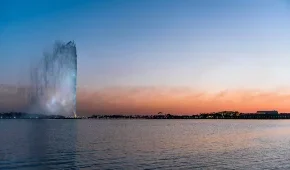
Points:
[(164, 55)]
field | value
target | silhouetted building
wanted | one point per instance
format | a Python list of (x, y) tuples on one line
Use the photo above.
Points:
[(273, 112)]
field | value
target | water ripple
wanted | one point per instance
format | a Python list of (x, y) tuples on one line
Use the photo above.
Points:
[(144, 144)]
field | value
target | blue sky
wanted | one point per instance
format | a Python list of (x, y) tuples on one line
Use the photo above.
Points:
[(208, 44)]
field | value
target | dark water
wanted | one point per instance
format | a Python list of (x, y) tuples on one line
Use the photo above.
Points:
[(144, 144)]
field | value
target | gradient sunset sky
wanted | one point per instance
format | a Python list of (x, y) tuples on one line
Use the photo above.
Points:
[(146, 56)]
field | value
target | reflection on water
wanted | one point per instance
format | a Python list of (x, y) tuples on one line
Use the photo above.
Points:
[(37, 144), (144, 144)]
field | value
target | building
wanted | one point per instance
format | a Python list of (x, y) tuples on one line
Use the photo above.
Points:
[(273, 112)]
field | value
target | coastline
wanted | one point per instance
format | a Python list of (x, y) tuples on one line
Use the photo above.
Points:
[(218, 115)]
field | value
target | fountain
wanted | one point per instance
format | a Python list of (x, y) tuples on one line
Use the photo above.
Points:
[(54, 81)]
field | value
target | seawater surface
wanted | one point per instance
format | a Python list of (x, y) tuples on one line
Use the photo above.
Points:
[(144, 144)]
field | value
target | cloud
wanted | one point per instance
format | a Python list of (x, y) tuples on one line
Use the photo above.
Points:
[(134, 100), (151, 100)]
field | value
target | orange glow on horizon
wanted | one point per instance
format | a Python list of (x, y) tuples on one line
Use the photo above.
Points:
[(151, 100)]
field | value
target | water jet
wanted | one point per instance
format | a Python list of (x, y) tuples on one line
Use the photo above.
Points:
[(54, 81)]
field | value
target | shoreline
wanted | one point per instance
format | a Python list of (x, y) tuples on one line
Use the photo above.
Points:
[(218, 115)]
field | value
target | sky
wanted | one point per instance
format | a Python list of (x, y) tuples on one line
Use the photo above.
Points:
[(142, 57)]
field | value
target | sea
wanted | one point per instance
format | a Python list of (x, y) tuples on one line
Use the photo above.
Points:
[(144, 144)]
